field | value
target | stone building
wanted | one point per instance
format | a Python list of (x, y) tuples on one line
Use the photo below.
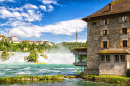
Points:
[(108, 38)]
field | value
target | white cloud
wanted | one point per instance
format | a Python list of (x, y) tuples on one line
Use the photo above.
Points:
[(49, 2), (50, 8), (16, 23), (29, 6), (59, 28), (7, 0), (29, 15), (26, 6), (43, 7)]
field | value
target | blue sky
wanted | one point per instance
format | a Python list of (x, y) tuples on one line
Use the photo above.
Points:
[(52, 20)]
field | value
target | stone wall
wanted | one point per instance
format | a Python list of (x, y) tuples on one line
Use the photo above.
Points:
[(112, 67)]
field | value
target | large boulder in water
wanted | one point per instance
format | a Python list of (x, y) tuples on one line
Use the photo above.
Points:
[(34, 55), (4, 55)]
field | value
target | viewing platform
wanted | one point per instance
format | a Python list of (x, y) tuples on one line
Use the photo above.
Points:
[(80, 57)]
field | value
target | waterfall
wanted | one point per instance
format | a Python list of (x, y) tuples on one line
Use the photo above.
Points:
[(18, 57), (52, 58)]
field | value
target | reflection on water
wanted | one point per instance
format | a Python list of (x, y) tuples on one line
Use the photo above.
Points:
[(66, 82)]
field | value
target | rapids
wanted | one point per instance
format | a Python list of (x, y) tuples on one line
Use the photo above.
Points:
[(52, 58)]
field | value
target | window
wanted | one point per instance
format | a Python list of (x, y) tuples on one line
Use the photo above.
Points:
[(94, 23), (122, 58), (102, 57), (124, 19), (104, 21), (124, 30), (107, 58), (105, 44), (124, 43), (116, 58), (104, 32)]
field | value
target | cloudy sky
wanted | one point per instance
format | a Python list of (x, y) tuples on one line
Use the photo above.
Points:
[(52, 20)]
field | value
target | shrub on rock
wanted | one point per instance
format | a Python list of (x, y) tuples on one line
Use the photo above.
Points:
[(34, 55), (26, 57), (41, 51), (4, 55), (44, 55)]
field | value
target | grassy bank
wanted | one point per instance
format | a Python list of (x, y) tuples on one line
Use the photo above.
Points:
[(30, 78), (108, 79)]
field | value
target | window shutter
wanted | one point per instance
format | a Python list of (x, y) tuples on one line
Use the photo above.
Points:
[(120, 43), (128, 31), (127, 18), (101, 21), (120, 19), (107, 20), (101, 45), (101, 32), (107, 44), (107, 32), (120, 30), (128, 43)]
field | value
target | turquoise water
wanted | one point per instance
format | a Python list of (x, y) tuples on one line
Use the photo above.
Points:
[(13, 69)]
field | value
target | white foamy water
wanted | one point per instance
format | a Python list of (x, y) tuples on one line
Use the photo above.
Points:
[(52, 58), (60, 58)]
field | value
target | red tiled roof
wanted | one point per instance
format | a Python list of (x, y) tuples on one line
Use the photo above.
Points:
[(119, 6), (14, 36), (0, 35)]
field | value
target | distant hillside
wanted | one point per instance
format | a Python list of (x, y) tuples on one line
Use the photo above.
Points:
[(72, 45)]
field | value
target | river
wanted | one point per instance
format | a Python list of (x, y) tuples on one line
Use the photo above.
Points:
[(57, 63)]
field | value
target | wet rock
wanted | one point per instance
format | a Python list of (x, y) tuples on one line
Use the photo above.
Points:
[(26, 58)]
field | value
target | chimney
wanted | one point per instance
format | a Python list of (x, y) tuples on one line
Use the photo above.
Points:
[(110, 7)]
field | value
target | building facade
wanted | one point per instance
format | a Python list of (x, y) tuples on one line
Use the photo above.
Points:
[(14, 39), (108, 38)]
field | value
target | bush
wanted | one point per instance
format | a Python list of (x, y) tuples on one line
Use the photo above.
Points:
[(78, 71), (34, 55), (4, 55), (41, 51), (128, 72)]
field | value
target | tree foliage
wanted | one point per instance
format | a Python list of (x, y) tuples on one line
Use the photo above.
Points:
[(34, 55)]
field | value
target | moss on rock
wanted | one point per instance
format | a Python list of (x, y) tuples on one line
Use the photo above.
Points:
[(30, 78), (11, 54)]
